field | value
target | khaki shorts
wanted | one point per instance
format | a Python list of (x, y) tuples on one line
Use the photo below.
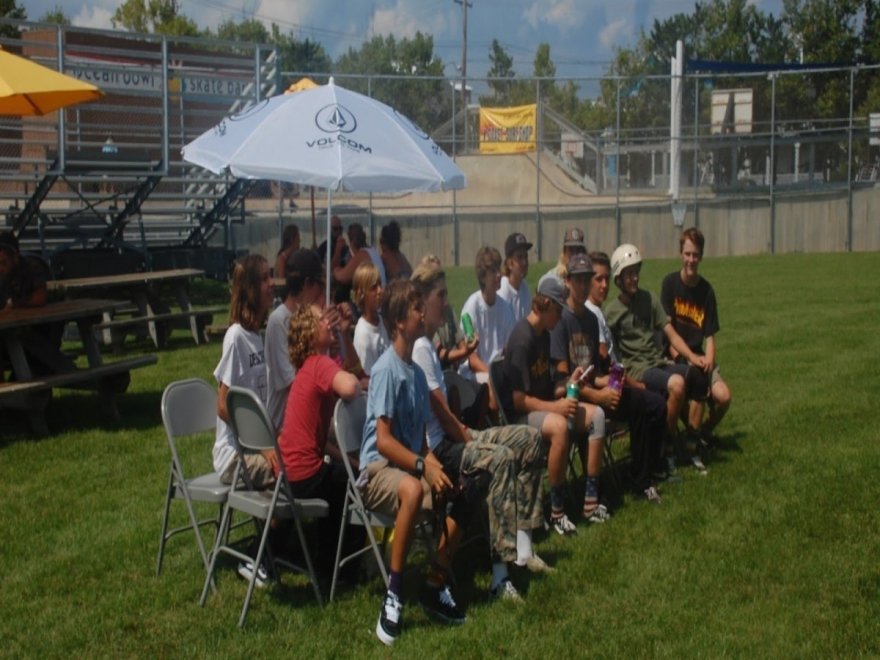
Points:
[(258, 468), (716, 376), (380, 492)]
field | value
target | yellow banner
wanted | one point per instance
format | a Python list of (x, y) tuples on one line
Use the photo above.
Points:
[(508, 130)]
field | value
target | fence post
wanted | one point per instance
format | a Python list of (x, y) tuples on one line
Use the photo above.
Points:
[(617, 218), (539, 225), (165, 107), (456, 253), (849, 160), (772, 167)]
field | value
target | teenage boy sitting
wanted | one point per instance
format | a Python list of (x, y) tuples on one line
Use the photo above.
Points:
[(510, 457), (634, 317), (597, 297), (531, 397), (575, 342), (492, 316), (689, 300), (514, 288), (402, 475)]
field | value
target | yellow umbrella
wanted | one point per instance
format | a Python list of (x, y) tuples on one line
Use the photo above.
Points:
[(28, 88), (300, 85)]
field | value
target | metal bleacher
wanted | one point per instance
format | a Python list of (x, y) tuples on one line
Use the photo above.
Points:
[(101, 188)]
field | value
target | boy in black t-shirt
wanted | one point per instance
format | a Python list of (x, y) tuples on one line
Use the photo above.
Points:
[(689, 300)]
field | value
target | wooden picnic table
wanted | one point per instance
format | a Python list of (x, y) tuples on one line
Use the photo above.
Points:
[(20, 336), (145, 291)]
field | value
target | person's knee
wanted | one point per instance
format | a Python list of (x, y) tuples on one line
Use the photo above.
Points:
[(409, 492), (721, 394), (555, 429), (675, 386)]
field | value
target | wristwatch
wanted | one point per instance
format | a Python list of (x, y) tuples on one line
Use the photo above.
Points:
[(420, 466)]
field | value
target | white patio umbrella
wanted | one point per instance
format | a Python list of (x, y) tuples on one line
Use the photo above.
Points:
[(328, 137)]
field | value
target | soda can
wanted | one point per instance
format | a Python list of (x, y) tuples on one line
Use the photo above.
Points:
[(615, 377), (572, 391), (468, 326)]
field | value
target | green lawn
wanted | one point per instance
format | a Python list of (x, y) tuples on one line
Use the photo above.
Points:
[(776, 553)]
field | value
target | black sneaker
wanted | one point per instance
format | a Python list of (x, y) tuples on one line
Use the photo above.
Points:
[(439, 603), (390, 619)]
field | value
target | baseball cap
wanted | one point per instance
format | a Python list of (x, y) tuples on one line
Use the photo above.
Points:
[(304, 264), (514, 242), (579, 263), (550, 287), (574, 237)]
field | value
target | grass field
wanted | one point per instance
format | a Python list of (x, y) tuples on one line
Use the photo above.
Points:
[(775, 554)]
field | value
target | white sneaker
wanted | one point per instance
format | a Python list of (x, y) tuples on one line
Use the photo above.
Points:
[(390, 619), (598, 515), (246, 570), (506, 591), (699, 466), (562, 525)]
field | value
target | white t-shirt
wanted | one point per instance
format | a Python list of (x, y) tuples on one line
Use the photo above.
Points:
[(242, 364), (425, 356), (492, 324), (604, 331), (520, 299), (279, 371), (370, 341)]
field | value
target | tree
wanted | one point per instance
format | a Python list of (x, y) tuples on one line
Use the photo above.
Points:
[(56, 16), (425, 101), (505, 90), (9, 9), (154, 16), (305, 56), (250, 30)]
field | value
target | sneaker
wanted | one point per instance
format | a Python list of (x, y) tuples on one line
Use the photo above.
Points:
[(507, 592), (652, 494), (562, 525), (599, 514), (390, 619), (535, 564), (246, 570), (439, 603), (698, 465)]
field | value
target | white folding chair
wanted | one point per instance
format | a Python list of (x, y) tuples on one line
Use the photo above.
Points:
[(189, 407), (348, 422), (254, 432)]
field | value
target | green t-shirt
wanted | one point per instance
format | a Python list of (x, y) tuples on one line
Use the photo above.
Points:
[(634, 328)]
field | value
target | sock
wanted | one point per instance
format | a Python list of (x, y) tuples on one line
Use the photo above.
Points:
[(394, 580), (557, 499), (524, 548), (499, 573), (591, 495)]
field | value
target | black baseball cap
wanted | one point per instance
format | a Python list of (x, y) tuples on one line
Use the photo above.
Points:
[(514, 242)]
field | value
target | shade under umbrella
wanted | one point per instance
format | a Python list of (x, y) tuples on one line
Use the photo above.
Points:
[(328, 137), (28, 88)]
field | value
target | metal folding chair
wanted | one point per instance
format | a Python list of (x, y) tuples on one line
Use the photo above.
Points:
[(254, 433), (189, 407)]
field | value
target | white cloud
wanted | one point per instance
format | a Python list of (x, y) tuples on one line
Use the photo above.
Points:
[(404, 18), (611, 34), (564, 15), (90, 16)]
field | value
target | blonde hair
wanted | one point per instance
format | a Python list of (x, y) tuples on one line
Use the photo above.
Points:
[(302, 334), (366, 276), (430, 260), (246, 305), (426, 276), (488, 259)]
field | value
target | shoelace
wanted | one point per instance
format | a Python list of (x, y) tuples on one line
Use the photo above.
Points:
[(446, 598), (392, 608)]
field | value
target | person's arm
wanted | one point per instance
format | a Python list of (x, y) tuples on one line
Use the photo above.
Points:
[(405, 459), (710, 353), (280, 264), (454, 430), (464, 349), (676, 342), (524, 404), (598, 393), (345, 274), (475, 362)]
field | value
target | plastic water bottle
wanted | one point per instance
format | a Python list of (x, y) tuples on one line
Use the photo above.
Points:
[(468, 325), (572, 391), (615, 377)]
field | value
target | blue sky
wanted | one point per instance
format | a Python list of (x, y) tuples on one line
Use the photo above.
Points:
[(582, 33)]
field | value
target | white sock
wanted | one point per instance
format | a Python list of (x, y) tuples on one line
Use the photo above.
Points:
[(524, 548), (499, 573)]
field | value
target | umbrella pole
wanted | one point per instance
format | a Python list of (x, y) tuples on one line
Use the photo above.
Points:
[(314, 227), (330, 248)]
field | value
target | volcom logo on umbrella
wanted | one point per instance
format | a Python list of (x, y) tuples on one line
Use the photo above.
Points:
[(335, 118)]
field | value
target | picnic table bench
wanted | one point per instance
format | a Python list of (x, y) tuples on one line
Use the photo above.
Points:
[(149, 312), (31, 392)]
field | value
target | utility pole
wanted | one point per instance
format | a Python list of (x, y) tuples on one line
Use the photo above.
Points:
[(464, 103)]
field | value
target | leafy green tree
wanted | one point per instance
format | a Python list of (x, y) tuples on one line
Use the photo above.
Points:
[(425, 101), (154, 16), (304, 56), (9, 9), (506, 90), (250, 30), (56, 16)]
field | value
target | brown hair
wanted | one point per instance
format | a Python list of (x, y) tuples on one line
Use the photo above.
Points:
[(290, 234), (302, 335), (356, 236), (245, 306), (541, 303), (693, 235), (425, 277), (488, 259), (430, 259), (601, 259), (365, 277), (399, 297)]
